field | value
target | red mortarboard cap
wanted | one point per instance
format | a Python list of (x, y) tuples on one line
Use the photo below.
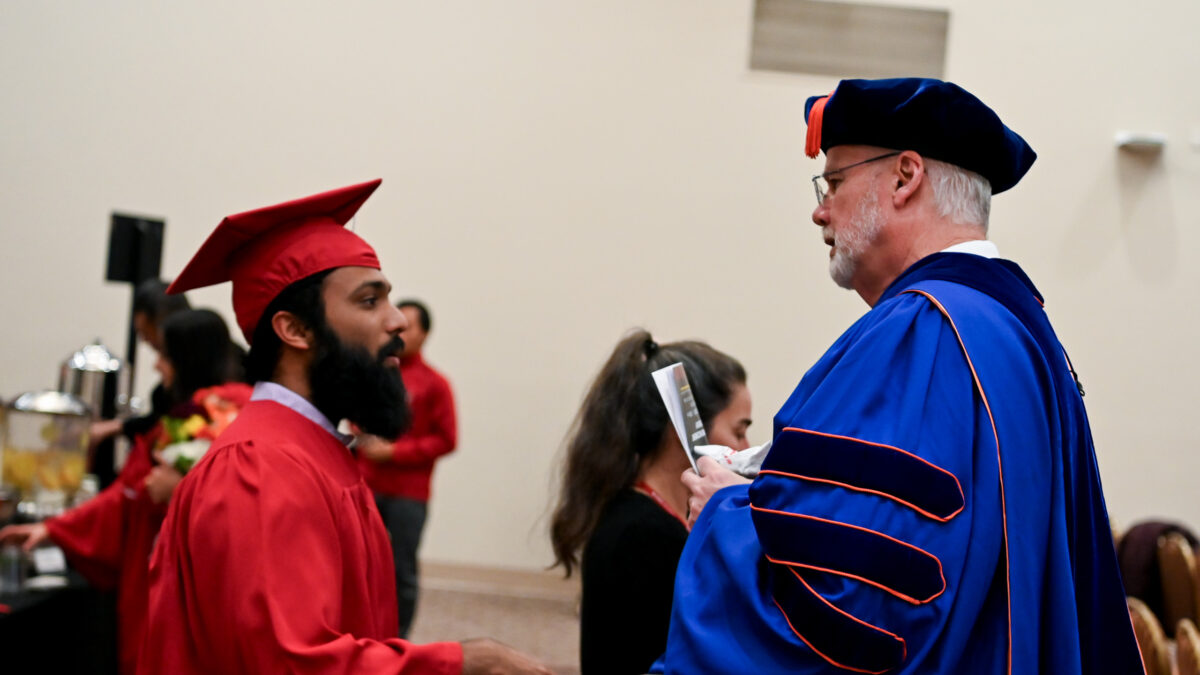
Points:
[(265, 250)]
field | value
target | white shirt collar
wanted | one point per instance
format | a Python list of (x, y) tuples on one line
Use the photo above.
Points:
[(980, 247), (271, 391)]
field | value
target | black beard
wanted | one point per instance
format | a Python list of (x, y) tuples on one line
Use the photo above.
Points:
[(348, 383)]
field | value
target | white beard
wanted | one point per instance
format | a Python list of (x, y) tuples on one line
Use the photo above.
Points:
[(851, 242)]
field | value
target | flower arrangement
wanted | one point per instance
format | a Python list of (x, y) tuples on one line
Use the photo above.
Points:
[(190, 428)]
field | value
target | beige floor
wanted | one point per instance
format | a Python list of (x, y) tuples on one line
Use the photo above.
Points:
[(537, 616)]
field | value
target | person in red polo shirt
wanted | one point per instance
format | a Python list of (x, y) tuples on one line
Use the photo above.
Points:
[(400, 472)]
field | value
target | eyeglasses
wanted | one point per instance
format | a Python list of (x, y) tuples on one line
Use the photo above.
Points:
[(821, 182)]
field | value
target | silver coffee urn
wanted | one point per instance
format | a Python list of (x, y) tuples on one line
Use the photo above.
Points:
[(92, 374), (95, 375)]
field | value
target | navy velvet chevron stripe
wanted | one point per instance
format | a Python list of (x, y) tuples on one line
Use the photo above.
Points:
[(902, 569), (867, 467), (834, 635)]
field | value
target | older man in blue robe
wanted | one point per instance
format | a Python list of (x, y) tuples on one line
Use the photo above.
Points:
[(931, 503)]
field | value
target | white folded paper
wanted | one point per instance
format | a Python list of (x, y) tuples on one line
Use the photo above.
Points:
[(676, 393)]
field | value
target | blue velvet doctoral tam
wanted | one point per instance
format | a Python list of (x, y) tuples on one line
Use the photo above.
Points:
[(931, 504)]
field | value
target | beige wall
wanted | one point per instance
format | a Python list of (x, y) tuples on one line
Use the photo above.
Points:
[(545, 162)]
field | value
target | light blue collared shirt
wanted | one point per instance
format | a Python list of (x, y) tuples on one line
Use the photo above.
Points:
[(270, 391)]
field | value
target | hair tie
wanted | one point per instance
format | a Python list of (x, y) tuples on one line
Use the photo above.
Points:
[(650, 347)]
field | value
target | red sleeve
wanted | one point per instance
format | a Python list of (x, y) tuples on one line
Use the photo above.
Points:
[(282, 577), (92, 535), (421, 448)]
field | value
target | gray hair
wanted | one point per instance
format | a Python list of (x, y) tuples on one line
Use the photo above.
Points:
[(961, 195)]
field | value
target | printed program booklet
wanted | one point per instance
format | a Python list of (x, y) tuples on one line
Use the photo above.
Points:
[(677, 395)]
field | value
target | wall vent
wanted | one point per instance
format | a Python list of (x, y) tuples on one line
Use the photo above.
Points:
[(848, 39)]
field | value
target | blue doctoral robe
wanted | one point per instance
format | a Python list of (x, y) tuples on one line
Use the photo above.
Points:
[(931, 504)]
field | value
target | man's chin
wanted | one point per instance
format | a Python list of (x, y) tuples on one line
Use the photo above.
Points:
[(841, 272), (348, 382)]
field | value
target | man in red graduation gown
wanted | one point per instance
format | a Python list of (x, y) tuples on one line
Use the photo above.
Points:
[(272, 557)]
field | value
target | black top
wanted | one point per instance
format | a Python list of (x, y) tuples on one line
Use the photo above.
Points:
[(628, 581), (160, 403)]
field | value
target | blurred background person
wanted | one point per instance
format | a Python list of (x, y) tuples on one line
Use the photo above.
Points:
[(108, 539), (400, 472), (151, 306), (621, 501)]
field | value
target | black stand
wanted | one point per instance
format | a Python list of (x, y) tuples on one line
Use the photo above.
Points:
[(134, 255)]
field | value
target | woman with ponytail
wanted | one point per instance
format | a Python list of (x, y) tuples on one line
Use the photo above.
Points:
[(622, 510)]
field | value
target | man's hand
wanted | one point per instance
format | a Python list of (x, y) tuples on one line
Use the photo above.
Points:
[(31, 535), (161, 482), (374, 448), (488, 657), (713, 478)]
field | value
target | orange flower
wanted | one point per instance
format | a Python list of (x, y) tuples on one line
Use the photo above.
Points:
[(221, 403)]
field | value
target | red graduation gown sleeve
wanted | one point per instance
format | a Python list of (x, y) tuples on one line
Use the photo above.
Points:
[(273, 559), (108, 539)]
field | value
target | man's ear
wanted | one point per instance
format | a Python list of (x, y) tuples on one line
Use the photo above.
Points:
[(910, 174), (292, 331)]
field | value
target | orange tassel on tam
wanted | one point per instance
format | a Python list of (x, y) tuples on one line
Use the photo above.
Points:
[(812, 143)]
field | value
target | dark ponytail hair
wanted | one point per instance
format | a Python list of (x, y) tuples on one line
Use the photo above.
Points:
[(622, 421), (196, 342)]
